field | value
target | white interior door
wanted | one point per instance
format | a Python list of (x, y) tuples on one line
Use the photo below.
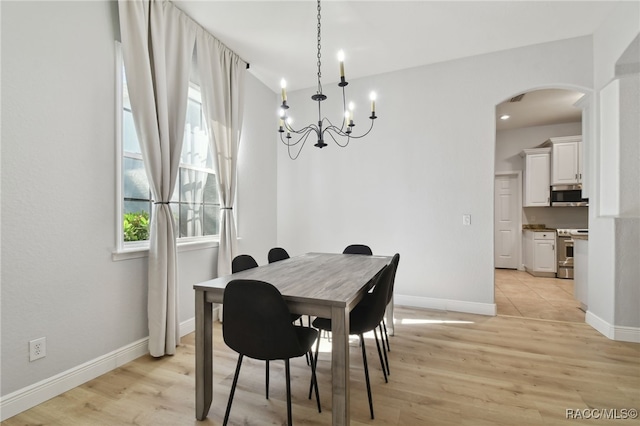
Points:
[(507, 221)]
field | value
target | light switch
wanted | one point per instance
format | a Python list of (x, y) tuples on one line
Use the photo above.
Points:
[(466, 219)]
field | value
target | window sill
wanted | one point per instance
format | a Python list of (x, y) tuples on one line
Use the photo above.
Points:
[(142, 250)]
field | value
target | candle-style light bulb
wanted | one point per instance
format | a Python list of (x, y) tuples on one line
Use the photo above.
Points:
[(351, 108), (372, 96), (283, 86), (341, 60)]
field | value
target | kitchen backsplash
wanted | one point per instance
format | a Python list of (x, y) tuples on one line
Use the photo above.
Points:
[(557, 217)]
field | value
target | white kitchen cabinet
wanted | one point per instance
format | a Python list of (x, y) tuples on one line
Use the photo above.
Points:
[(566, 160), (536, 177), (540, 253)]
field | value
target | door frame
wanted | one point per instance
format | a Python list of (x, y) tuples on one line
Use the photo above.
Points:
[(518, 243)]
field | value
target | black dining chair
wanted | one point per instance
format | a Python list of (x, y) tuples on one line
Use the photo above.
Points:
[(277, 254), (357, 249), (256, 323), (365, 317), (241, 263), (395, 260)]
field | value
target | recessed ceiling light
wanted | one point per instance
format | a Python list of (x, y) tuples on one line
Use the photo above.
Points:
[(504, 117)]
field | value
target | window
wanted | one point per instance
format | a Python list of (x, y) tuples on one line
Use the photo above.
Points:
[(195, 203)]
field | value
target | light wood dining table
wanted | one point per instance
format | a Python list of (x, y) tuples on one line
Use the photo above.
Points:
[(318, 284)]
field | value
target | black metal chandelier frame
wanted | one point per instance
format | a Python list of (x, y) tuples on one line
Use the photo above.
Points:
[(324, 126)]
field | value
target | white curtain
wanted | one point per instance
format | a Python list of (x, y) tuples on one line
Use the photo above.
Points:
[(157, 44), (222, 76)]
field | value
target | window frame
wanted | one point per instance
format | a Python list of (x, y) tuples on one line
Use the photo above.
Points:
[(136, 249)]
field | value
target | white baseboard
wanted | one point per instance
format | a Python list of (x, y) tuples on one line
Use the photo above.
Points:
[(613, 332), (32, 395), (446, 304)]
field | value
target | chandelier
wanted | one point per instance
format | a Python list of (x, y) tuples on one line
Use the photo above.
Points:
[(340, 135)]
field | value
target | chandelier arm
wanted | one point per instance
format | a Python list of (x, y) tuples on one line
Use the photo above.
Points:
[(364, 134), (304, 140), (303, 137), (334, 130), (303, 130)]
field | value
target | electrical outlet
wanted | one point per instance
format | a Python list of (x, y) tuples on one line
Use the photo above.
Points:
[(466, 219), (37, 348)]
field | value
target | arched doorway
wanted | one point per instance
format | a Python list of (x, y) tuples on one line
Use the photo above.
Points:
[(534, 117)]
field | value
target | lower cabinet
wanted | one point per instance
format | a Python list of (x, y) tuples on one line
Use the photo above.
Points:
[(540, 253)]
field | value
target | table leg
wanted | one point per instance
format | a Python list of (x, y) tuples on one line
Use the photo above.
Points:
[(204, 355), (340, 365)]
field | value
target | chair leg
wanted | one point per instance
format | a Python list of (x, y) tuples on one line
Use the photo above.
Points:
[(315, 364), (266, 379), (306, 355), (382, 364), (366, 374), (314, 380), (384, 349), (288, 374), (233, 390), (386, 335)]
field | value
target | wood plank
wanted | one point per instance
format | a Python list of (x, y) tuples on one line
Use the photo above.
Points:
[(447, 369)]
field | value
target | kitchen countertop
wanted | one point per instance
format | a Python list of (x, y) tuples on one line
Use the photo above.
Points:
[(537, 228)]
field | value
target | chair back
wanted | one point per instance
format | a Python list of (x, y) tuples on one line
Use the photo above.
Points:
[(276, 254), (243, 262), (256, 321), (357, 249), (395, 260)]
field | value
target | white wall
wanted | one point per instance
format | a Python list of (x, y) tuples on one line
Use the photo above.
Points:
[(428, 161), (614, 294), (58, 194), (257, 179), (511, 142)]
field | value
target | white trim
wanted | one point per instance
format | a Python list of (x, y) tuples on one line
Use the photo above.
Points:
[(37, 393), (142, 250), (446, 304), (613, 332), (32, 395)]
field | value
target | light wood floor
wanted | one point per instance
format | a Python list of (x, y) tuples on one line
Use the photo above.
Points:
[(520, 294), (446, 369)]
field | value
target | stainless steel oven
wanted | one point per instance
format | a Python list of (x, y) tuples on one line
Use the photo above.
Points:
[(564, 254)]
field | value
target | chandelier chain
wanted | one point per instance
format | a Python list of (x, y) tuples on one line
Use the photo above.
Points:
[(319, 50)]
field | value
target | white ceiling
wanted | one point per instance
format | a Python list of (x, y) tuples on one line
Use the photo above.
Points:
[(540, 108), (278, 38)]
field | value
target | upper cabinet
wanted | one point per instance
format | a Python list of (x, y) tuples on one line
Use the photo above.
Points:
[(566, 160), (536, 177)]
